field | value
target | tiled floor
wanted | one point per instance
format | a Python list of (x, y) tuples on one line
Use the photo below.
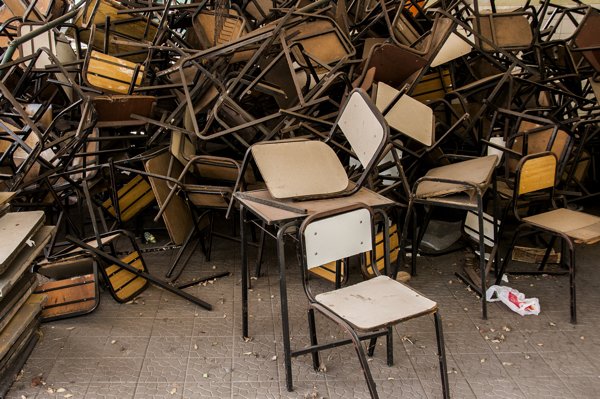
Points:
[(164, 347)]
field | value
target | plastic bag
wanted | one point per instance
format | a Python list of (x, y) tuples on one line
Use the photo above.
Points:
[(514, 299)]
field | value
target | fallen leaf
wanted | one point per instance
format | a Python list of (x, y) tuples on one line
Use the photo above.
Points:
[(36, 381)]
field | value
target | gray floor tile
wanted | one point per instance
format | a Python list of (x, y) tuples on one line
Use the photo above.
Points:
[(544, 387), (208, 370), (163, 370), (208, 390), (62, 391), (110, 390), (118, 370), (256, 390), (495, 388), (160, 347), (172, 390)]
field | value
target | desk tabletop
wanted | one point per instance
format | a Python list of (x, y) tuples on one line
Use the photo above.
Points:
[(271, 214)]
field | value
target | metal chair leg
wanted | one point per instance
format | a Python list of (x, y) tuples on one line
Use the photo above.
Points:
[(572, 280), (482, 263), (389, 338), (508, 252), (313, 338), (364, 364), (261, 247), (371, 347), (441, 354)]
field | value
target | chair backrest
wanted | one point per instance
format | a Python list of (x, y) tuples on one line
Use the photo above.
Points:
[(535, 172), (537, 140), (393, 65), (112, 74), (508, 31), (328, 236), (587, 37), (410, 117), (43, 40), (322, 41), (365, 129), (206, 26)]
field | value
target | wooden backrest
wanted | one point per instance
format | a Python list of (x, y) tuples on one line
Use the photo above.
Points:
[(510, 32), (539, 141), (130, 27), (363, 126), (337, 236), (112, 74), (535, 173), (322, 40), (393, 65), (433, 85), (206, 23), (177, 216), (587, 35)]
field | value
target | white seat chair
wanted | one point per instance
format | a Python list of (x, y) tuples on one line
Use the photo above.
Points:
[(370, 307)]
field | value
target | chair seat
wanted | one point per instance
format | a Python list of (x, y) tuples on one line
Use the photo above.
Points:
[(581, 227), (376, 303), (477, 171)]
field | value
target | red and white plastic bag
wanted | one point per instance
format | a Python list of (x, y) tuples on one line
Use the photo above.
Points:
[(514, 299)]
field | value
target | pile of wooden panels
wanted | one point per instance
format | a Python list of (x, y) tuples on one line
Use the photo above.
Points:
[(23, 237)]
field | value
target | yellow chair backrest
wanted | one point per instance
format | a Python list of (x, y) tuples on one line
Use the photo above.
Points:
[(536, 173), (112, 74)]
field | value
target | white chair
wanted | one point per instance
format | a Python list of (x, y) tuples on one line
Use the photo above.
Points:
[(370, 307)]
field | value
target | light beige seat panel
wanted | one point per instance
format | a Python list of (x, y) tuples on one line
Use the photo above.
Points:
[(376, 303), (299, 168), (476, 171), (580, 226), (408, 116)]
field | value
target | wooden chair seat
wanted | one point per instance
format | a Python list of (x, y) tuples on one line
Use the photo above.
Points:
[(581, 227), (116, 110), (70, 297), (408, 116), (125, 285), (372, 304), (511, 32), (16, 229), (476, 171)]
